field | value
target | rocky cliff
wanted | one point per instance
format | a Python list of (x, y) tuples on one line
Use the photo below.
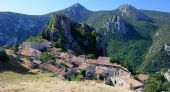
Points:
[(70, 35)]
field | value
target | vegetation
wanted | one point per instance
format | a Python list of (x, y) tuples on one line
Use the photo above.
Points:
[(45, 57), (130, 54), (85, 37), (15, 46), (57, 39), (156, 83), (35, 38), (3, 56)]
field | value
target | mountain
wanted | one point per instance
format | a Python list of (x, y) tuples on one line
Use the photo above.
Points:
[(18, 27), (134, 37), (76, 12)]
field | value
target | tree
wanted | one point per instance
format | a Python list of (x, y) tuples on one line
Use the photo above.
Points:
[(45, 57), (3, 55), (15, 47)]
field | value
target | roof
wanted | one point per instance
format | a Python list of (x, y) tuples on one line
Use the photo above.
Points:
[(142, 77), (104, 62), (61, 61), (53, 51), (78, 60), (83, 66), (53, 68), (36, 61), (100, 70), (131, 81), (30, 52), (100, 60), (46, 43)]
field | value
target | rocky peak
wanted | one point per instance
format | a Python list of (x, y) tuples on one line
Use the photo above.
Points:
[(126, 9), (130, 11), (77, 7), (76, 12)]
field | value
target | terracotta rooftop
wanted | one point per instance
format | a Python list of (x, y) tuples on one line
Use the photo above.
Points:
[(36, 61), (104, 61), (53, 68), (30, 52), (100, 70), (78, 60), (83, 66), (53, 51), (67, 64), (131, 81)]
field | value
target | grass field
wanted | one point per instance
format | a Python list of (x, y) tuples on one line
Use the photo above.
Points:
[(14, 82)]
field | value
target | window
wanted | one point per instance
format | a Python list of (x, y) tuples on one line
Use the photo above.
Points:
[(115, 81)]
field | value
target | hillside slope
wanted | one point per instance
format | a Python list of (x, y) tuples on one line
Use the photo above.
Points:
[(18, 27), (12, 82)]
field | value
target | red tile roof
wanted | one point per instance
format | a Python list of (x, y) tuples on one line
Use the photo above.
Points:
[(103, 60), (30, 52), (78, 60), (83, 66), (53, 68)]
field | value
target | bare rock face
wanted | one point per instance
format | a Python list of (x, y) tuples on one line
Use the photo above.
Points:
[(130, 11), (61, 27), (116, 25), (167, 48)]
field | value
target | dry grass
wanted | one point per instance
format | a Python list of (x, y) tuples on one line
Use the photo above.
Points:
[(44, 83)]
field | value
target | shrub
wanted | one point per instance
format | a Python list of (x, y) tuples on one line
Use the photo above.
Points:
[(45, 57)]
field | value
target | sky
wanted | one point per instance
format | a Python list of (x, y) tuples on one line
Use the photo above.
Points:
[(40, 7)]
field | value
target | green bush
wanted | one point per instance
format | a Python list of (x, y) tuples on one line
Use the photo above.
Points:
[(45, 57), (156, 83)]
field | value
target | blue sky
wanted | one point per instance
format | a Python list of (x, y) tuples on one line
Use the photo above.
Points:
[(39, 7)]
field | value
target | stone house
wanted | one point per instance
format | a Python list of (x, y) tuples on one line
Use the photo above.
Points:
[(108, 69), (34, 45), (88, 68), (46, 43), (126, 82)]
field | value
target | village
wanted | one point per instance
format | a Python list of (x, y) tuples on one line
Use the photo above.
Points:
[(70, 66)]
